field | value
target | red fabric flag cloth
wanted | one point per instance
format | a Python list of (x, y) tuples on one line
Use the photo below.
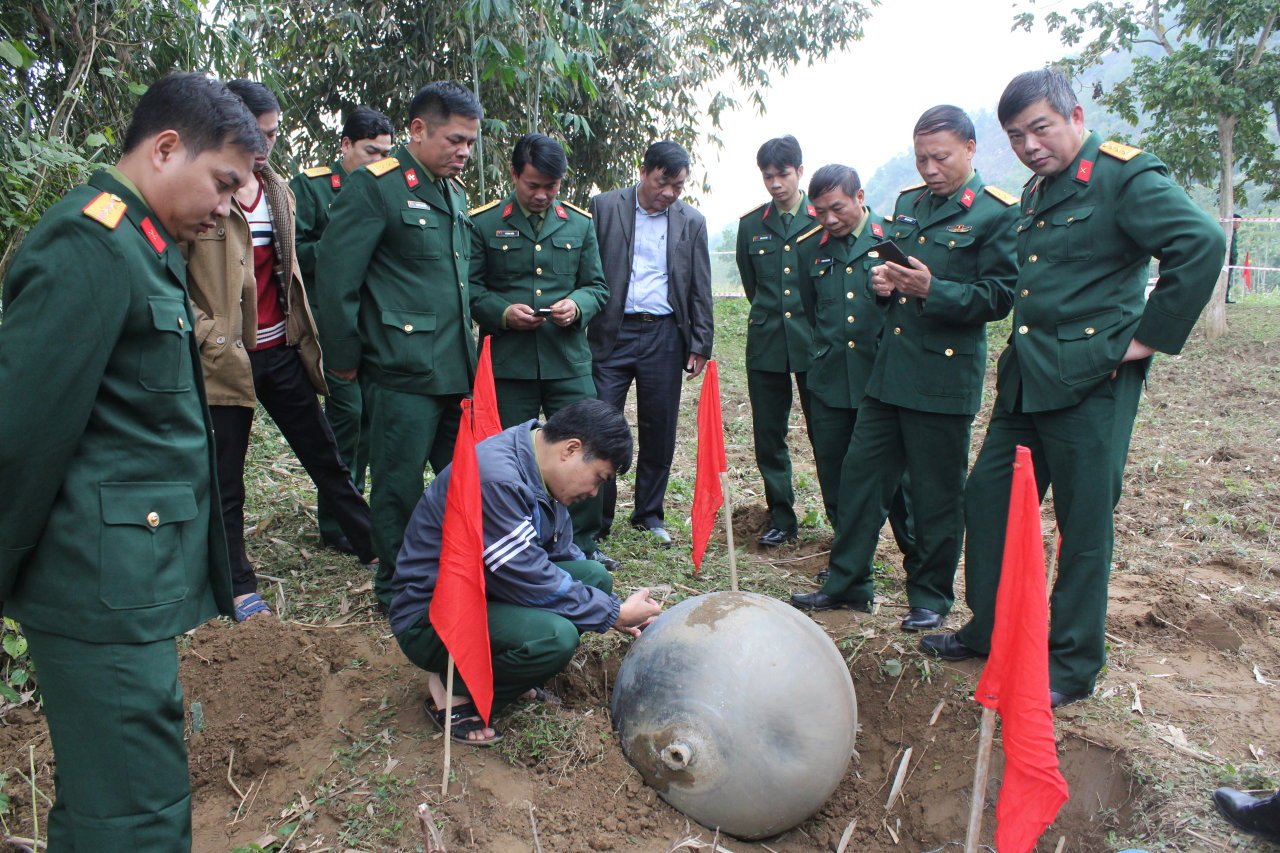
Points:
[(486, 395), (708, 496), (1015, 681), (1248, 275), (458, 611)]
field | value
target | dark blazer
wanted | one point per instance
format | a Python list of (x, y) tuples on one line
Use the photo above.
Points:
[(688, 270)]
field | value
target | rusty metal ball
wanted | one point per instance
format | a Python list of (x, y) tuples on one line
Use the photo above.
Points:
[(739, 711)]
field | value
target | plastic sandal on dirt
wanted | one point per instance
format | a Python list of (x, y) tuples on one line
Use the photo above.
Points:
[(465, 720), (252, 606)]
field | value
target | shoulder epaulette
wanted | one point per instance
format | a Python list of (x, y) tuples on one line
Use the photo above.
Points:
[(107, 209), (573, 206), (806, 235), (912, 187), (1008, 198), (482, 208), (1119, 150), (380, 168), (317, 171), (753, 210)]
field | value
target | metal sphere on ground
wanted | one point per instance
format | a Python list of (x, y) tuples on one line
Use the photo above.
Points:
[(739, 711)]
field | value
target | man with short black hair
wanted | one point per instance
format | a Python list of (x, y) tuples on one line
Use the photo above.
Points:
[(366, 137), (114, 545), (542, 593), (392, 272), (658, 320), (1069, 383), (536, 283), (780, 325)]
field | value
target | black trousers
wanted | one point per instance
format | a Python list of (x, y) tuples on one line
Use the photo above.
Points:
[(650, 353), (282, 386)]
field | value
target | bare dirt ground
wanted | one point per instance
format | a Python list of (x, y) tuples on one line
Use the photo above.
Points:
[(307, 733)]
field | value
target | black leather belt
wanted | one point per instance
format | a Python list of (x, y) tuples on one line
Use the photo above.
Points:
[(645, 317)]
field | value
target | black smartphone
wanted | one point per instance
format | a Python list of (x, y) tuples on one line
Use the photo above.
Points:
[(542, 312), (889, 251)]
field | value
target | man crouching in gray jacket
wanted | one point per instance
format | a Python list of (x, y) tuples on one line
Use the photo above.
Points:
[(542, 593)]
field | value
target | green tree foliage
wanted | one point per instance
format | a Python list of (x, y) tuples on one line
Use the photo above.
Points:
[(1209, 93)]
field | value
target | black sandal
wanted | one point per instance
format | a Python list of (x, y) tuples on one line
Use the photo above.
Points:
[(464, 720)]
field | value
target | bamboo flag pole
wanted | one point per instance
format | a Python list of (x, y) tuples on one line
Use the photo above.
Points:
[(981, 770), (448, 724), (728, 531)]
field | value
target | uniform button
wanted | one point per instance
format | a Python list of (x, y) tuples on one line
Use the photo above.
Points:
[(951, 244), (849, 295), (221, 339), (1090, 330), (787, 315), (1025, 292), (538, 292), (568, 245), (504, 247), (853, 344), (222, 232), (1033, 258), (1070, 219), (786, 269), (852, 318), (153, 519), (902, 300), (242, 262), (921, 240), (1040, 224), (422, 222), (848, 269), (181, 323), (408, 327), (761, 252), (786, 293), (461, 284), (537, 247), (240, 344), (538, 270), (456, 255), (949, 352), (786, 248), (897, 330), (1022, 330)]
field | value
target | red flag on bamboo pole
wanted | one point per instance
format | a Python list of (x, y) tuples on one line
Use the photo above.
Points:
[(487, 422), (1015, 681), (1248, 274), (708, 493), (458, 611)]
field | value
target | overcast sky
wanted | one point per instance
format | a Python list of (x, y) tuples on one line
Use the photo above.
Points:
[(858, 108)]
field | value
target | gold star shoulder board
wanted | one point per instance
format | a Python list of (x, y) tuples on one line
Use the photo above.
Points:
[(1119, 150), (380, 168), (317, 171), (806, 235), (752, 210), (482, 208), (572, 206), (107, 209), (1009, 199), (912, 187)]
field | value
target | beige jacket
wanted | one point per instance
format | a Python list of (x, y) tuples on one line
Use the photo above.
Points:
[(224, 296)]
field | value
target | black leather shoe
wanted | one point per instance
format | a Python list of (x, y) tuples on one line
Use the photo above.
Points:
[(1260, 817), (775, 537), (342, 544), (822, 601), (921, 619), (610, 564), (821, 577), (947, 647), (1057, 700)]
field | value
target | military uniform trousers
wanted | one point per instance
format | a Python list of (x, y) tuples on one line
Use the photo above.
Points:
[(116, 721), (899, 454), (281, 384), (770, 395), (349, 419), (1080, 451), (521, 400), (529, 645), (408, 432)]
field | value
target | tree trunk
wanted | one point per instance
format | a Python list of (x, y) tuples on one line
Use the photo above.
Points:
[(1215, 314)]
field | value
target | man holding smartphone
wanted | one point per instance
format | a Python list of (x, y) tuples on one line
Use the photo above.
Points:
[(536, 281)]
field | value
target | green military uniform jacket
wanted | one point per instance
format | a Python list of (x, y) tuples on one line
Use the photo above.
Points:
[(314, 190), (933, 353), (511, 264), (1085, 239), (846, 318), (109, 533), (780, 325), (392, 292)]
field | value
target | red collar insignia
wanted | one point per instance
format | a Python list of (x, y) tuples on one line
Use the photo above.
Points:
[(153, 236), (967, 197), (411, 178), (1085, 171), (335, 181), (561, 212), (506, 211), (767, 208), (876, 229), (825, 235), (812, 211)]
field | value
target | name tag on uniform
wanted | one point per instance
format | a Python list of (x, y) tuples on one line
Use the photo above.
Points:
[(501, 233), (757, 238), (418, 205), (907, 219)]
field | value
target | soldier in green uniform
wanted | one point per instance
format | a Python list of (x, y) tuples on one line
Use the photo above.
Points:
[(366, 138), (926, 384), (393, 304), (536, 282), (780, 326), (1069, 383), (846, 325), (110, 542)]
